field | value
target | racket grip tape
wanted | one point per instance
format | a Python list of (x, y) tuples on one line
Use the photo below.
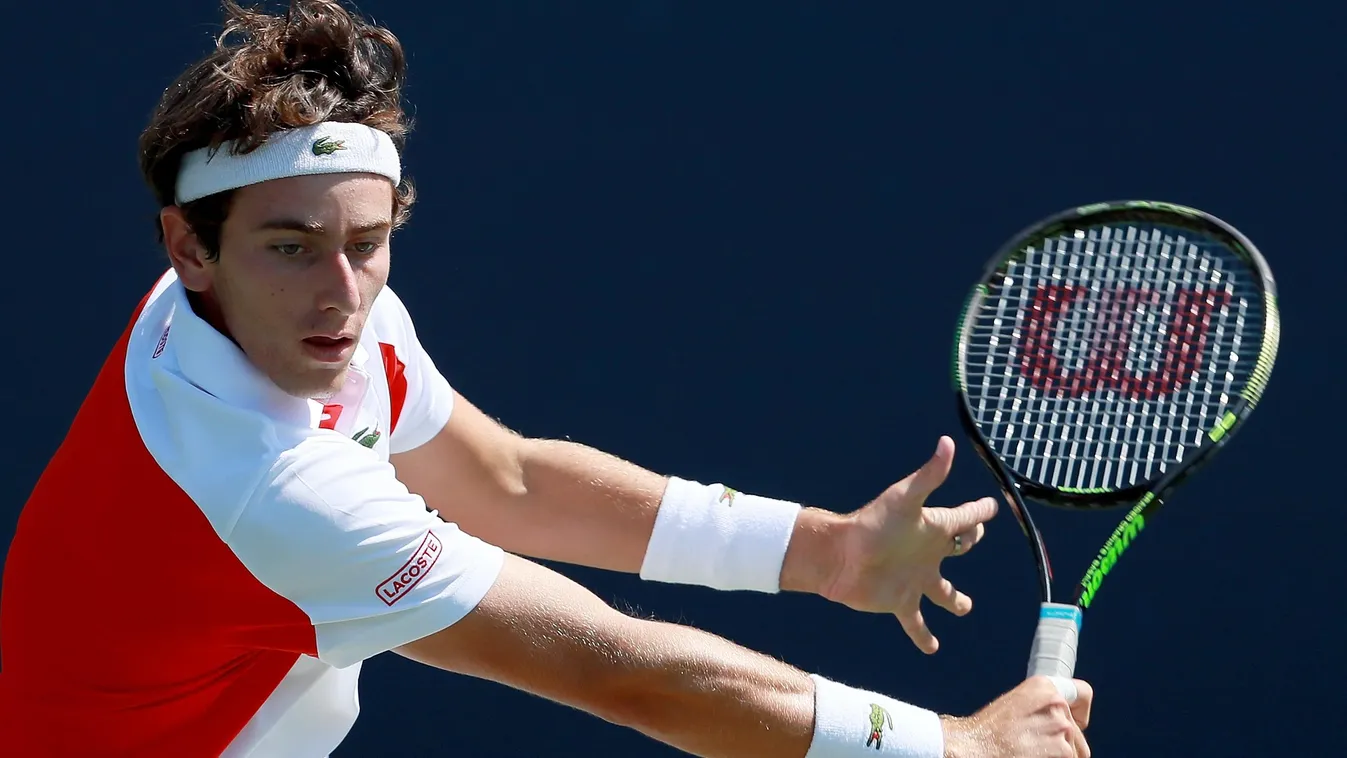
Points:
[(1054, 649)]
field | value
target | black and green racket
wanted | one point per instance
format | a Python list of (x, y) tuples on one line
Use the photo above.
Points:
[(1107, 353)]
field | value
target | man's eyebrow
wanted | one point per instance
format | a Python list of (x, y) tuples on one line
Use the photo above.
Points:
[(313, 227)]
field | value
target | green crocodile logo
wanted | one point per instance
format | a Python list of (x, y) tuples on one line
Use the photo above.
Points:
[(878, 718), (368, 440), (327, 146)]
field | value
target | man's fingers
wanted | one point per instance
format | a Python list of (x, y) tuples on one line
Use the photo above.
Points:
[(967, 517), (915, 626), (952, 600), (1077, 740), (965, 540), (1080, 707), (1080, 714)]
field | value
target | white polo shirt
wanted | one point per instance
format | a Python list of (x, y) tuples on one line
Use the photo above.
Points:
[(207, 560)]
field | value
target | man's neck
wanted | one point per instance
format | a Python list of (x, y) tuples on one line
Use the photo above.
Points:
[(207, 308)]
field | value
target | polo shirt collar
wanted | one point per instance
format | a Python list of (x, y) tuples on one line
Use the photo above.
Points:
[(215, 364)]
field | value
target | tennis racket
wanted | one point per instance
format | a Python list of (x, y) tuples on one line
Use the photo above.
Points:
[(1108, 352)]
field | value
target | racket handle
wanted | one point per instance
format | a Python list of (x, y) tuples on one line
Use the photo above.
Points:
[(1054, 650)]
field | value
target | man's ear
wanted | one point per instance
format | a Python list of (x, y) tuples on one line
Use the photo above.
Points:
[(185, 251)]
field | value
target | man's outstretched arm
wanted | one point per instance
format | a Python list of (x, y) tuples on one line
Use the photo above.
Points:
[(539, 632), (564, 501), (558, 500)]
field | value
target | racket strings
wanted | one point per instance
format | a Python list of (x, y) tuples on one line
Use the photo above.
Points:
[(1102, 354)]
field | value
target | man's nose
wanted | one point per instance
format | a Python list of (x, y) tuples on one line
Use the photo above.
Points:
[(339, 290)]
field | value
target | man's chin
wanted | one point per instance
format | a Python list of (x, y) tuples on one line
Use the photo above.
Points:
[(315, 383)]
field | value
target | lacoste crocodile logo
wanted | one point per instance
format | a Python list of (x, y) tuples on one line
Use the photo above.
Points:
[(327, 146), (879, 717), (368, 440)]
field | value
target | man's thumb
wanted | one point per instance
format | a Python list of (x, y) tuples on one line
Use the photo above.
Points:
[(932, 474)]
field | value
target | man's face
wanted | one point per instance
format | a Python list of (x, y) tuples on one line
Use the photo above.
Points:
[(301, 262)]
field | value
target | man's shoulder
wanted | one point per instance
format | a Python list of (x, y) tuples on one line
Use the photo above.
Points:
[(321, 471), (218, 454), (231, 462)]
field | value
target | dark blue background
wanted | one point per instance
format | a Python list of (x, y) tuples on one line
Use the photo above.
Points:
[(729, 241)]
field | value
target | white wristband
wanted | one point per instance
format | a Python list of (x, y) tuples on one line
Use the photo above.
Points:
[(713, 536), (849, 722)]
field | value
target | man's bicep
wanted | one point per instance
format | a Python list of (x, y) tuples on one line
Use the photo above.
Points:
[(540, 632), (333, 532), (467, 471)]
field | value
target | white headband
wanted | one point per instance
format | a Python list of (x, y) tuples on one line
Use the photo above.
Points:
[(326, 148)]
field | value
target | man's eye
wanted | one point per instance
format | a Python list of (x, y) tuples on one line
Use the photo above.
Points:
[(365, 248), (289, 249)]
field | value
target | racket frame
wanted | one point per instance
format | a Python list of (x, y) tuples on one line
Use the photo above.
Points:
[(1053, 652)]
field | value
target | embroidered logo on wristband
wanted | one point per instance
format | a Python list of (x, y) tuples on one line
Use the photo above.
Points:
[(878, 717), (851, 722), (716, 536)]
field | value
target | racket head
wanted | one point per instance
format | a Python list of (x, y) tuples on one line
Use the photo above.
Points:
[(1109, 349)]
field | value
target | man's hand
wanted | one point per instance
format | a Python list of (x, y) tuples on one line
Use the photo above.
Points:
[(891, 549), (1034, 719)]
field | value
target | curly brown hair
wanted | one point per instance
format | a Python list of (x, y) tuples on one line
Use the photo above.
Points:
[(316, 62)]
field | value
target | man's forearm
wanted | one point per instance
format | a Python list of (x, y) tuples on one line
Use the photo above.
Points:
[(710, 697), (583, 506), (542, 633)]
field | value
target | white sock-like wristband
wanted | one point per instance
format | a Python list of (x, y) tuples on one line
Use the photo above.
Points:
[(713, 536), (850, 722)]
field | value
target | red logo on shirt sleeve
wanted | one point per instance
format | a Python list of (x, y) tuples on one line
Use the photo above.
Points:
[(396, 371), (395, 587)]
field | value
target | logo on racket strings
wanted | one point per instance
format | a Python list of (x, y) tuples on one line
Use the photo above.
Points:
[(1106, 336)]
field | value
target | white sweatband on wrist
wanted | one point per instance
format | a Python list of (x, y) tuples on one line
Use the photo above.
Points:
[(713, 536), (850, 722), (327, 148)]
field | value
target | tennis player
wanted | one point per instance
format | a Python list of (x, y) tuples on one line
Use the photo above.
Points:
[(270, 482)]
